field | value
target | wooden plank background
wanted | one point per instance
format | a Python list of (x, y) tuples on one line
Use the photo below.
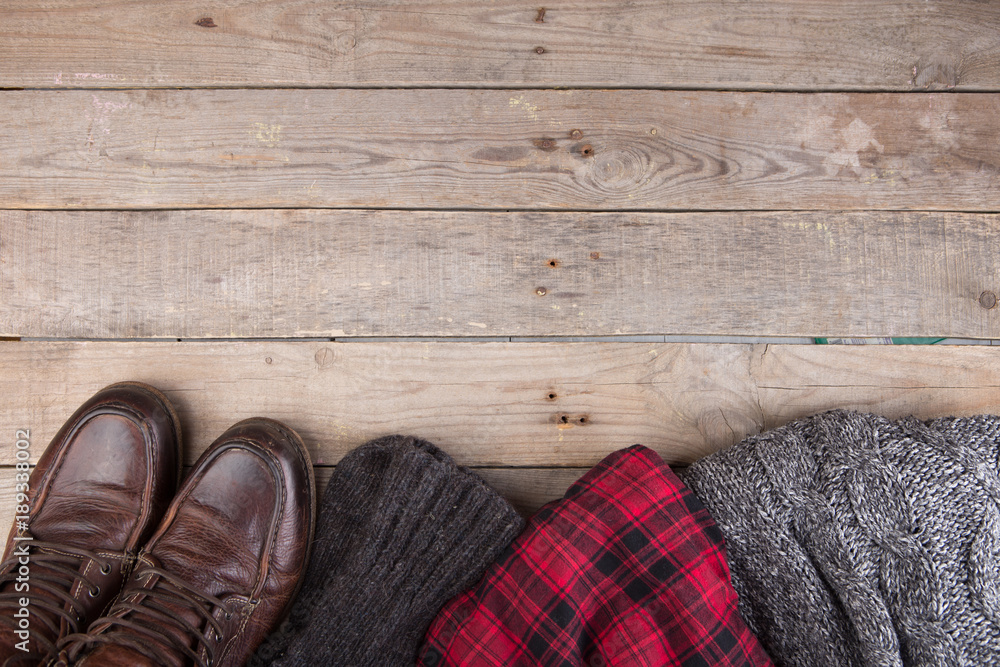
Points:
[(531, 418), (499, 149), (315, 273), (499, 404), (766, 44), (300, 170)]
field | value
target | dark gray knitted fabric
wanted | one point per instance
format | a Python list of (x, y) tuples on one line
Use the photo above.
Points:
[(859, 540), (401, 530)]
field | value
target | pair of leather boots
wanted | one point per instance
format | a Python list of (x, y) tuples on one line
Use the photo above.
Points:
[(115, 565)]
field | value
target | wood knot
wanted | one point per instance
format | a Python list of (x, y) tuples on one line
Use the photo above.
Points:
[(206, 22), (325, 357), (935, 71), (617, 170), (344, 42), (545, 144)]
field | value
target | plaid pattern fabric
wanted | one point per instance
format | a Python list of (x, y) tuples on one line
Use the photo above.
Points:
[(627, 569)]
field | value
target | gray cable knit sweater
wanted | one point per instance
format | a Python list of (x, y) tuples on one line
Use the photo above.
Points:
[(859, 540)]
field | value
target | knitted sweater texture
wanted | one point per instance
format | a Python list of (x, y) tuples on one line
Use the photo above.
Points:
[(859, 540)]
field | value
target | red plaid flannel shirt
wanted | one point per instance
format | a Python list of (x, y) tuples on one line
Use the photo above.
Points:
[(627, 569)]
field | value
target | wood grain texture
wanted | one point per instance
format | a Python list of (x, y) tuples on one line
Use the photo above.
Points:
[(499, 404), (527, 489), (798, 380), (511, 149), (773, 44), (321, 273)]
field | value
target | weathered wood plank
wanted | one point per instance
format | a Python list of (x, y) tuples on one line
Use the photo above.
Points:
[(794, 381), (321, 273), (499, 404), (779, 44), (490, 149), (529, 488), (526, 488)]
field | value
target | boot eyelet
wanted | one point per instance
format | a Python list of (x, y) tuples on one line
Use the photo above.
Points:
[(106, 569), (94, 592), (229, 615)]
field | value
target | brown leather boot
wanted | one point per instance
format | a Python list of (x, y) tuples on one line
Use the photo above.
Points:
[(225, 564), (95, 497)]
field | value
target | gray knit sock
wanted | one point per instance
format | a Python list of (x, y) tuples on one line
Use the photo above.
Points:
[(401, 530), (859, 540)]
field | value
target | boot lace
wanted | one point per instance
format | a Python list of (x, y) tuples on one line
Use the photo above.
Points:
[(55, 569), (133, 625)]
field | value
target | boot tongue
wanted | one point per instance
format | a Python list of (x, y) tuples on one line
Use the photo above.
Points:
[(41, 570), (181, 613)]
